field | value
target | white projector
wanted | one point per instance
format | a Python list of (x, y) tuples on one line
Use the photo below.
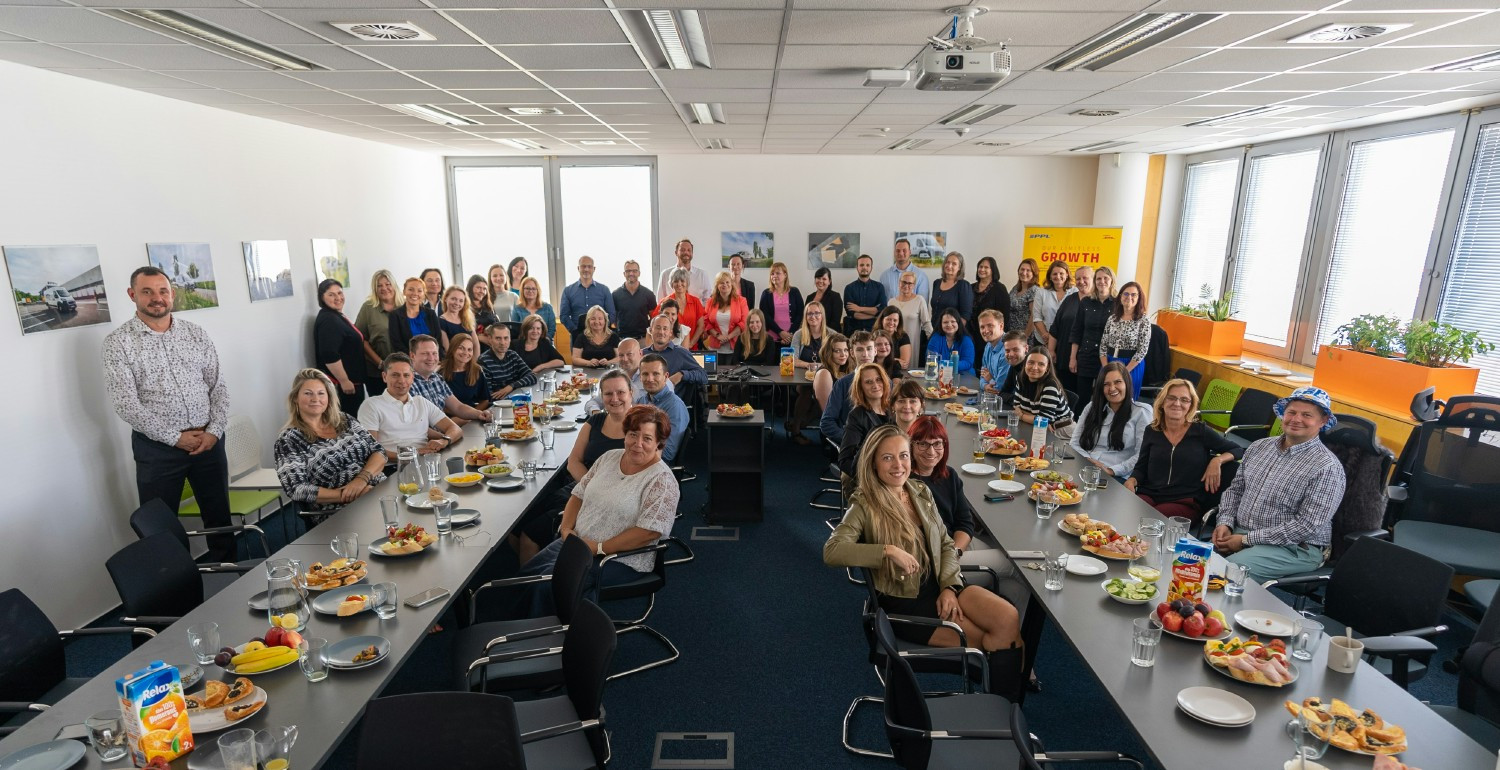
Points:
[(979, 69)]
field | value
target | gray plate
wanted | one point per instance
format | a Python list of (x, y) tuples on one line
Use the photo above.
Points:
[(375, 550), (191, 674), (55, 755), (465, 517), (328, 603), (506, 484), (341, 654)]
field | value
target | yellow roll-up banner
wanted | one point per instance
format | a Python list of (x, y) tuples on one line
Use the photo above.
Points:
[(1076, 245)]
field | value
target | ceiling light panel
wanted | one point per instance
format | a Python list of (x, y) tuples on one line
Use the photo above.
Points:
[(206, 35), (433, 114), (972, 114), (65, 25), (1145, 31)]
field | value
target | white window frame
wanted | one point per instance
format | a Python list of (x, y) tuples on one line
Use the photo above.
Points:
[(1237, 154)]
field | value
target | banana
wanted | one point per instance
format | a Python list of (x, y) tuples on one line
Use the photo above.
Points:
[(258, 655), (287, 655)]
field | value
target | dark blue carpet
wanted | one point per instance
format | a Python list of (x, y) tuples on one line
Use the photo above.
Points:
[(772, 649)]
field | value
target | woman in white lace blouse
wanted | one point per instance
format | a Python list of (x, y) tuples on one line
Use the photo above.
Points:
[(324, 458)]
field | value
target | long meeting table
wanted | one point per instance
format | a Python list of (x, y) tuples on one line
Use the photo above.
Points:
[(324, 712), (1099, 628)]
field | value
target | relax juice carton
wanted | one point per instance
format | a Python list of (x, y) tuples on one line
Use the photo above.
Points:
[(788, 362), (521, 411), (154, 713), (1189, 570)]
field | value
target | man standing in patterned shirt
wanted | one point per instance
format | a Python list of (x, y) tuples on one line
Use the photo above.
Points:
[(1276, 518), (162, 374)]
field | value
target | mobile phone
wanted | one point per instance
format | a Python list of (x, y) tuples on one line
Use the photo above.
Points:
[(425, 598), (1027, 555), (581, 418), (998, 498)]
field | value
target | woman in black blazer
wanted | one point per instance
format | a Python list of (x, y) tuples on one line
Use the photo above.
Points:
[(833, 304), (413, 318), (793, 299)]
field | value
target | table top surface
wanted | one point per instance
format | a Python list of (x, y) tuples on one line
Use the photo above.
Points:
[(1100, 629), (325, 711)]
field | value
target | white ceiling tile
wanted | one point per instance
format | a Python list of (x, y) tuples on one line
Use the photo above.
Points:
[(303, 96), (621, 110), (350, 4), (130, 78), (320, 22), (480, 79), (599, 79), (239, 80), (829, 78), (861, 26), (511, 96), (1469, 31), (491, 100), (1232, 28), (855, 56), (203, 95), (752, 27), (1078, 80), (1397, 59), (898, 109), (1258, 60), (741, 57), (1312, 81), (785, 119), (141, 3), (945, 100), (1243, 98), (402, 96), (1043, 28), (574, 57), (1008, 95), (1131, 99), (1187, 81), (826, 95), (735, 110), (1426, 81), (1156, 58), (69, 25), (258, 26), (1419, 22), (621, 95), (1422, 100), (542, 26), (433, 57), (354, 111), (162, 57), (721, 94), (797, 108), (338, 58), (341, 81), (704, 78)]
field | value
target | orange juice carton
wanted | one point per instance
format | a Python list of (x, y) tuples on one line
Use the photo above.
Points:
[(1189, 570), (521, 410), (154, 713), (788, 362)]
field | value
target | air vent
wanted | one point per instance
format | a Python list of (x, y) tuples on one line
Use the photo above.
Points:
[(718, 144), (993, 144), (1095, 113), (386, 31), (1346, 33), (534, 110)]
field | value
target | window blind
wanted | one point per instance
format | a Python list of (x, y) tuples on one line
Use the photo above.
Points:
[(1268, 250), (1385, 226), (1469, 290), (1203, 234)]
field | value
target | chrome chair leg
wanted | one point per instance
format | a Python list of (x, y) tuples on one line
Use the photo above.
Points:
[(672, 648), (849, 720)]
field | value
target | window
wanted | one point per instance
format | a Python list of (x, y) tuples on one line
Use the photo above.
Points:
[(1272, 236), (1469, 296), (606, 214), (499, 214), (1202, 238), (1386, 221)]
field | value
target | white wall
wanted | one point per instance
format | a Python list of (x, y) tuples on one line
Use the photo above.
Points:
[(87, 163), (1119, 201), (982, 203)]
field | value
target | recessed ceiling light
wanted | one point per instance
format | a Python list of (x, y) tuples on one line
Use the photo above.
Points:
[(973, 114), (202, 34), (1484, 61), (1098, 146), (1344, 33), (909, 144), (433, 114), (1128, 39), (680, 37), (1253, 112), (534, 110), (707, 113), (521, 144), (1093, 113), (399, 31), (718, 144)]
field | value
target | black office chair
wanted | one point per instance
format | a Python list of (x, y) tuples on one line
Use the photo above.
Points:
[(33, 663), (460, 731), (157, 580), (1478, 709), (1149, 392), (830, 476), (1035, 757), (1392, 598), (154, 516), (1251, 418), (646, 584), (473, 645)]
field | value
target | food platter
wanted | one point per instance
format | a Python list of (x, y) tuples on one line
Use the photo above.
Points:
[(341, 654), (736, 411), (1104, 585), (517, 437), (1199, 638), (1263, 665), (1347, 723), (424, 503), (213, 719)]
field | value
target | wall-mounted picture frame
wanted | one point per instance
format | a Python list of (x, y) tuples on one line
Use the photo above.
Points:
[(832, 250), (928, 247), (756, 248), (56, 287), (330, 260), (268, 268), (190, 268)]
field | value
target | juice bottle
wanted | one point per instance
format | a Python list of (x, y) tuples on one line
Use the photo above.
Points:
[(522, 411), (1189, 570), (788, 362), (154, 713), (1039, 437)]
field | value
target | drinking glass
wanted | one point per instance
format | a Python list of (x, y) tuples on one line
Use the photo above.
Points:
[(1044, 509), (432, 468), (1089, 475), (273, 746), (444, 513), (346, 544), (528, 469), (979, 447), (1054, 566), (1153, 525), (237, 749), (549, 438), (204, 641), (1007, 469), (106, 735), (1012, 422), (930, 374), (1308, 635), (1307, 743), (390, 510), (1145, 637), (492, 429), (1234, 578), (383, 596), (1176, 529), (310, 658)]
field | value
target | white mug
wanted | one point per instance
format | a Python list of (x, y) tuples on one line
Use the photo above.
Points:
[(1344, 653)]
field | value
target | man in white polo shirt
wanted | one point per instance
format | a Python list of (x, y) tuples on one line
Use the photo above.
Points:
[(396, 418)]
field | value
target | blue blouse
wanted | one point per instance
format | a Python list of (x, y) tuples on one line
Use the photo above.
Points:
[(518, 314), (939, 344)]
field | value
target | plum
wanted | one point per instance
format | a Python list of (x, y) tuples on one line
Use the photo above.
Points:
[(223, 658)]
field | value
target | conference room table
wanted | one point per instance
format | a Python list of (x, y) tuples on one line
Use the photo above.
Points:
[(1100, 629), (324, 712)]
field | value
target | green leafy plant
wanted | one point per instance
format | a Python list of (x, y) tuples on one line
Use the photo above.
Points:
[(1430, 343), (1376, 334), (1214, 309)]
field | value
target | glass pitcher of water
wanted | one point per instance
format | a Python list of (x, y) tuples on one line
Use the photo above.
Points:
[(930, 374), (1147, 566), (286, 594), (408, 472)]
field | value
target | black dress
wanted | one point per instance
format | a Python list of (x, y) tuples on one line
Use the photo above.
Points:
[(591, 351), (1062, 331), (960, 298), (1088, 330), (337, 340), (543, 353)]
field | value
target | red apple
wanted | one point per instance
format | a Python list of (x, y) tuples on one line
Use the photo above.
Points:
[(1162, 610), (292, 638), (1193, 625), (274, 637), (1171, 621), (1213, 626)]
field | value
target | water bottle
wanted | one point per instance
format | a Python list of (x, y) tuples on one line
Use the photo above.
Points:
[(1039, 437), (952, 367)]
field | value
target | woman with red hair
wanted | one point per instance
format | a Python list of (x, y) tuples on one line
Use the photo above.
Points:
[(929, 465)]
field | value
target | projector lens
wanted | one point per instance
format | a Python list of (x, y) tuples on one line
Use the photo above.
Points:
[(955, 62)]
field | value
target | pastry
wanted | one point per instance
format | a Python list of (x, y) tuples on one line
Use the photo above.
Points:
[(240, 690), (214, 693), (236, 713)]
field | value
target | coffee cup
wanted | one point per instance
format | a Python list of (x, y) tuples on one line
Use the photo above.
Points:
[(1344, 653)]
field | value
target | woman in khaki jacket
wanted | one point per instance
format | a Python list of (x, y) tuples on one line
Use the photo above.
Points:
[(893, 529)]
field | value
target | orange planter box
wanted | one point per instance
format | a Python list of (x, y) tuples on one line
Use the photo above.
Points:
[(1386, 382), (1200, 335)]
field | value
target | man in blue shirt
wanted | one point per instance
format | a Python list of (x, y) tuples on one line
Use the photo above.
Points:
[(583, 294), (654, 380), (1002, 355), (891, 278), (836, 413), (863, 298), (681, 367)]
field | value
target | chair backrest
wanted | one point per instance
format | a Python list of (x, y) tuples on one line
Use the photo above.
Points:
[(1367, 466), (1158, 356), (1451, 466), (588, 649), (1380, 588), (1276, 428), (31, 654), (1425, 406), (242, 442), (905, 706), (1254, 407), (461, 731), (154, 516), (1479, 669), (1191, 375), (156, 576), (1021, 733), (1219, 395), (569, 575)]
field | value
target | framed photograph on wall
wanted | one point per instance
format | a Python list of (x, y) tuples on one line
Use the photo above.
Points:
[(56, 287), (190, 269), (757, 249), (832, 250), (928, 247), (268, 267), (330, 260)]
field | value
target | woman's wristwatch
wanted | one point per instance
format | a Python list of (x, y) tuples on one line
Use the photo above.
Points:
[(955, 589)]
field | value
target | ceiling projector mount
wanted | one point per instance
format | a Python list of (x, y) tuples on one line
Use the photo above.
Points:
[(962, 61)]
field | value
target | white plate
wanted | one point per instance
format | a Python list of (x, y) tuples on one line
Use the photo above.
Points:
[(1231, 361), (449, 479), (1275, 372), (1086, 566), (212, 720), (1001, 485), (374, 550), (55, 755), (422, 503), (916, 373), (463, 517), (1104, 586), (1291, 668), (328, 603), (1265, 623), (979, 469), (1298, 378), (506, 483), (1216, 707), (563, 426), (341, 654)]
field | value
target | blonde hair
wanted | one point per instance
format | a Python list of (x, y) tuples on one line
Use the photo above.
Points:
[(472, 370), (521, 300), (465, 313), (589, 316), (734, 291), (333, 416), (889, 522), (993, 315), (804, 337), (1158, 407), (786, 284), (1112, 289), (374, 299), (747, 338)]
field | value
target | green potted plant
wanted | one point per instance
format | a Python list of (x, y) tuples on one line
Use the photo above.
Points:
[(1377, 334), (1435, 344), (1205, 327), (1377, 360)]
